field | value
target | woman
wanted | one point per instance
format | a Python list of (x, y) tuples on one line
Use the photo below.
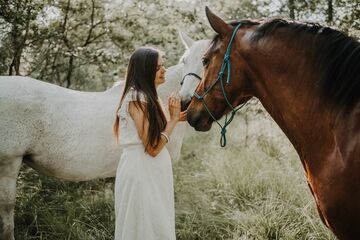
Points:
[(144, 196)]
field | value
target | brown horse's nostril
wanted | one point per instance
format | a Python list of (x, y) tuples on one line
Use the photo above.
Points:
[(193, 118), (199, 120)]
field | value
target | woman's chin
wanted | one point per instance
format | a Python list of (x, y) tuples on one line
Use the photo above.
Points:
[(160, 82)]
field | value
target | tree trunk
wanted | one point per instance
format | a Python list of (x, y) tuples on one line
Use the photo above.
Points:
[(11, 67), (330, 12), (15, 42), (291, 6), (15, 63), (70, 71), (19, 43)]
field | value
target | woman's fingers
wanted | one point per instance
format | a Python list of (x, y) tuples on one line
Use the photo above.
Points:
[(183, 116), (174, 95), (174, 107), (174, 100)]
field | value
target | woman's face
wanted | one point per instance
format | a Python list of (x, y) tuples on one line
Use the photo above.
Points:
[(160, 72)]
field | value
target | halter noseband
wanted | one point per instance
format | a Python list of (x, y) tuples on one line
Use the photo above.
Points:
[(225, 64), (190, 74)]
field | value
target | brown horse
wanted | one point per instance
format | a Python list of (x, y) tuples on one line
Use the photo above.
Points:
[(308, 78)]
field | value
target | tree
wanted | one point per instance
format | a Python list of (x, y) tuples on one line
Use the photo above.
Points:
[(18, 23), (75, 46), (86, 44), (330, 12), (291, 6)]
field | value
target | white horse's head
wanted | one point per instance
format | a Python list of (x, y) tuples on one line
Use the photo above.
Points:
[(192, 69)]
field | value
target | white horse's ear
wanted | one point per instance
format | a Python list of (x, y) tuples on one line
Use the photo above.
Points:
[(187, 41), (217, 23)]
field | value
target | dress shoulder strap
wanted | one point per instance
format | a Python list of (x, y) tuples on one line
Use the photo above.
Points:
[(130, 96)]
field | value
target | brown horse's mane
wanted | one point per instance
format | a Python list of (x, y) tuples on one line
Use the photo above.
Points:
[(335, 55)]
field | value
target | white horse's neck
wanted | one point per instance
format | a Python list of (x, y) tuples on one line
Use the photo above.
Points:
[(172, 82)]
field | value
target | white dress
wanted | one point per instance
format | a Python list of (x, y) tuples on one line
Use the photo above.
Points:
[(144, 193)]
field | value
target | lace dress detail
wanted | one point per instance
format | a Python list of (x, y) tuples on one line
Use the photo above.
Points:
[(128, 131)]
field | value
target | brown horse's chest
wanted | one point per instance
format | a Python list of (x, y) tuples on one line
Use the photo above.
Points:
[(313, 188), (334, 185)]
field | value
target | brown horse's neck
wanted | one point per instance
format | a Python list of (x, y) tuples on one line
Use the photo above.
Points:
[(281, 73), (285, 85)]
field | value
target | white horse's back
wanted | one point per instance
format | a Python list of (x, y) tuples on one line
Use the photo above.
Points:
[(20, 97), (66, 133), (57, 129)]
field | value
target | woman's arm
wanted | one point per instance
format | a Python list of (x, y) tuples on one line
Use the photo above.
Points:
[(142, 124)]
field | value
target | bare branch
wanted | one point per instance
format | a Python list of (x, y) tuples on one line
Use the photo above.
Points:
[(64, 37), (96, 37), (87, 41)]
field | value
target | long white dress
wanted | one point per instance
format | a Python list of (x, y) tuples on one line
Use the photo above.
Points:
[(144, 193)]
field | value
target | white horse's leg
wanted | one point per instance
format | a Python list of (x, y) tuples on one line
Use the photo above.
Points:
[(9, 170)]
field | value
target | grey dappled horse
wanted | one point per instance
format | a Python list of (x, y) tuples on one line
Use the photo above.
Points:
[(65, 133)]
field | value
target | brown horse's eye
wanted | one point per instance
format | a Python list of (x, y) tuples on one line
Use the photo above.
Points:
[(205, 62)]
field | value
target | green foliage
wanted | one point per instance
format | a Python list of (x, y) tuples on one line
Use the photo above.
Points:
[(17, 19), (349, 17), (86, 44)]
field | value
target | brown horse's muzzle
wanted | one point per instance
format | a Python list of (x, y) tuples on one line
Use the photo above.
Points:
[(200, 120)]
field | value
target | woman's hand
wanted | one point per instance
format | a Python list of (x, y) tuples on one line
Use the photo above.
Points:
[(174, 107), (183, 116)]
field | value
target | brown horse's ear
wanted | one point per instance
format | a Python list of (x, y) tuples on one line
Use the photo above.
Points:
[(217, 23)]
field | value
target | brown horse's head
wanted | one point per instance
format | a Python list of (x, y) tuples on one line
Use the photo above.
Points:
[(238, 90)]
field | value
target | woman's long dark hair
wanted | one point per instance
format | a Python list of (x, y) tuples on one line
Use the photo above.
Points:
[(140, 75)]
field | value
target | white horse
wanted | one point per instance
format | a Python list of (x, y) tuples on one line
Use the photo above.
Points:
[(65, 133), (192, 66)]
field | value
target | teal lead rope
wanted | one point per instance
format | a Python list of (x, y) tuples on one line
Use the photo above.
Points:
[(226, 64)]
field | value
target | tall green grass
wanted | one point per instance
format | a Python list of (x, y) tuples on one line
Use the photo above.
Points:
[(243, 193), (47, 208), (252, 190)]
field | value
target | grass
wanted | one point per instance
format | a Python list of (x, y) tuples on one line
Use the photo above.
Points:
[(252, 190), (47, 208)]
